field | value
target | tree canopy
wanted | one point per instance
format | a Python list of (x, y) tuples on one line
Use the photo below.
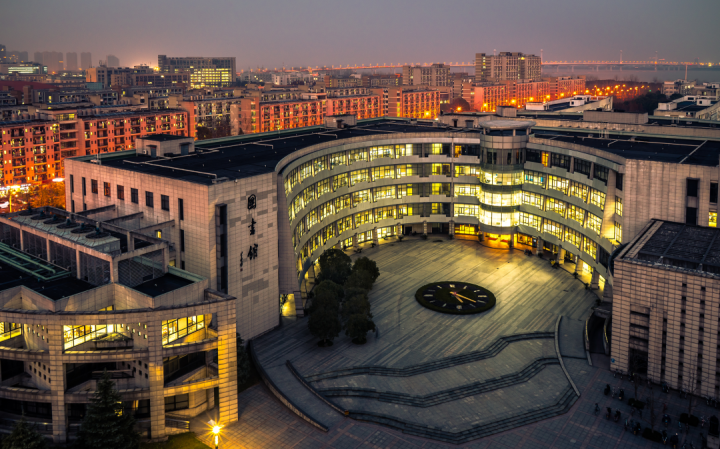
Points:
[(368, 265), (335, 266), (359, 279), (24, 436), (106, 424), (357, 319)]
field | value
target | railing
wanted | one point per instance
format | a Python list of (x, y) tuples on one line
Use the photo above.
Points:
[(44, 428)]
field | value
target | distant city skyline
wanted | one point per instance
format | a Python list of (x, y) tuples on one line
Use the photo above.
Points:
[(314, 32)]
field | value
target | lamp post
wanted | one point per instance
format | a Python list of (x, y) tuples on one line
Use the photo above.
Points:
[(216, 433)]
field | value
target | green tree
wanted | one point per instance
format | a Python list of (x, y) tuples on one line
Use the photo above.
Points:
[(106, 424), (335, 266), (327, 292), (359, 279), (324, 322), (357, 319), (243, 362), (368, 265), (24, 436)]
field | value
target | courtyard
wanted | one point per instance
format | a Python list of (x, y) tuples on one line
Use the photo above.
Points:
[(433, 380)]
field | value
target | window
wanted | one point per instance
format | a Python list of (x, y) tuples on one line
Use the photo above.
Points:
[(134, 196), (691, 215), (106, 189), (579, 190), (158, 233), (590, 247), (121, 193), (561, 160), (180, 327), (94, 186), (601, 173), (713, 191), (181, 209), (165, 202), (618, 206), (359, 176), (533, 156), (557, 183), (534, 177), (553, 228), (533, 199), (359, 197), (179, 402), (182, 240), (557, 206), (692, 188), (72, 185), (384, 172), (575, 213), (712, 220), (597, 198), (149, 199), (594, 222), (619, 181), (573, 237), (546, 159), (582, 166), (530, 220), (618, 232), (83, 187), (381, 193)]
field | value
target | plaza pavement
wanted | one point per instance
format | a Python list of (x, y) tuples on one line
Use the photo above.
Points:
[(531, 296)]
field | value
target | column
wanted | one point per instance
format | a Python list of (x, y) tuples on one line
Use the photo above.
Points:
[(227, 364), (561, 256), (355, 240), (539, 249), (425, 227), (451, 228), (156, 378), (578, 265), (57, 386), (595, 280), (375, 235)]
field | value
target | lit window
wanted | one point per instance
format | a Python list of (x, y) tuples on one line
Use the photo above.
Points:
[(712, 221)]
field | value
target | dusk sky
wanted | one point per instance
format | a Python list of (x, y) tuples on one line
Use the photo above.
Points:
[(274, 33)]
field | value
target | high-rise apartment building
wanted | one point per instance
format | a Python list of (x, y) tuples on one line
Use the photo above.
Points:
[(71, 61), (436, 75), (115, 76), (53, 60), (214, 72), (38, 57), (2, 53), (85, 60), (507, 66), (412, 102), (112, 61)]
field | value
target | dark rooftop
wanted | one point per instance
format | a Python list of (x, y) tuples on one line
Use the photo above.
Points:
[(53, 289), (686, 151), (163, 137), (165, 283), (681, 245), (255, 154)]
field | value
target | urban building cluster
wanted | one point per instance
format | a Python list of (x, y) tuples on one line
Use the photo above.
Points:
[(181, 244)]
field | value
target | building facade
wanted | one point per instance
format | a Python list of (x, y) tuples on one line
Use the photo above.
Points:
[(33, 149), (665, 307), (214, 72), (434, 75), (95, 291), (507, 66), (411, 102)]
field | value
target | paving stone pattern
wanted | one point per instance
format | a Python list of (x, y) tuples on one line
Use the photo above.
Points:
[(450, 377), (266, 423)]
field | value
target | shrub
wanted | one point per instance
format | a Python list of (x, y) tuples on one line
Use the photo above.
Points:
[(324, 324), (368, 265), (335, 266), (327, 292)]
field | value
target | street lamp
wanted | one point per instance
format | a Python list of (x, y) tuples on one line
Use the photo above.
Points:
[(216, 432)]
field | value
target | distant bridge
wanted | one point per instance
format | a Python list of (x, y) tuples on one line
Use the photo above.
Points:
[(581, 63)]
